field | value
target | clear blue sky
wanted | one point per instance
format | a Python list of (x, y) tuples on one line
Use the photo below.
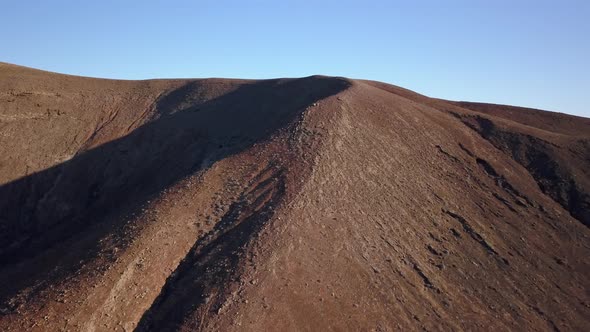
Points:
[(527, 53)]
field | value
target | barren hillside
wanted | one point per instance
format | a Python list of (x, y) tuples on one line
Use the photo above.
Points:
[(309, 204)]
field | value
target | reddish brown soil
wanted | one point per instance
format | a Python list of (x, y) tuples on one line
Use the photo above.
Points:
[(317, 203)]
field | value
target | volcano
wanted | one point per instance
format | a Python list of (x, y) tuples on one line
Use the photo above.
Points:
[(309, 204)]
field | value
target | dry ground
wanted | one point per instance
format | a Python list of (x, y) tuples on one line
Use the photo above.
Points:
[(305, 204)]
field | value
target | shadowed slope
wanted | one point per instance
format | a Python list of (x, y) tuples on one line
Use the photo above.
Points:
[(178, 142), (58, 218), (557, 157)]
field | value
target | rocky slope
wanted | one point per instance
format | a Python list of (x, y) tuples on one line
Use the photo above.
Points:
[(317, 203)]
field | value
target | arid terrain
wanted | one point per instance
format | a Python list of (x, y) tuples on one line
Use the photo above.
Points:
[(310, 204)]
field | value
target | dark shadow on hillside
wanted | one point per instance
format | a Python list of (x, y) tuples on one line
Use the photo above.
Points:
[(45, 217), (560, 173)]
